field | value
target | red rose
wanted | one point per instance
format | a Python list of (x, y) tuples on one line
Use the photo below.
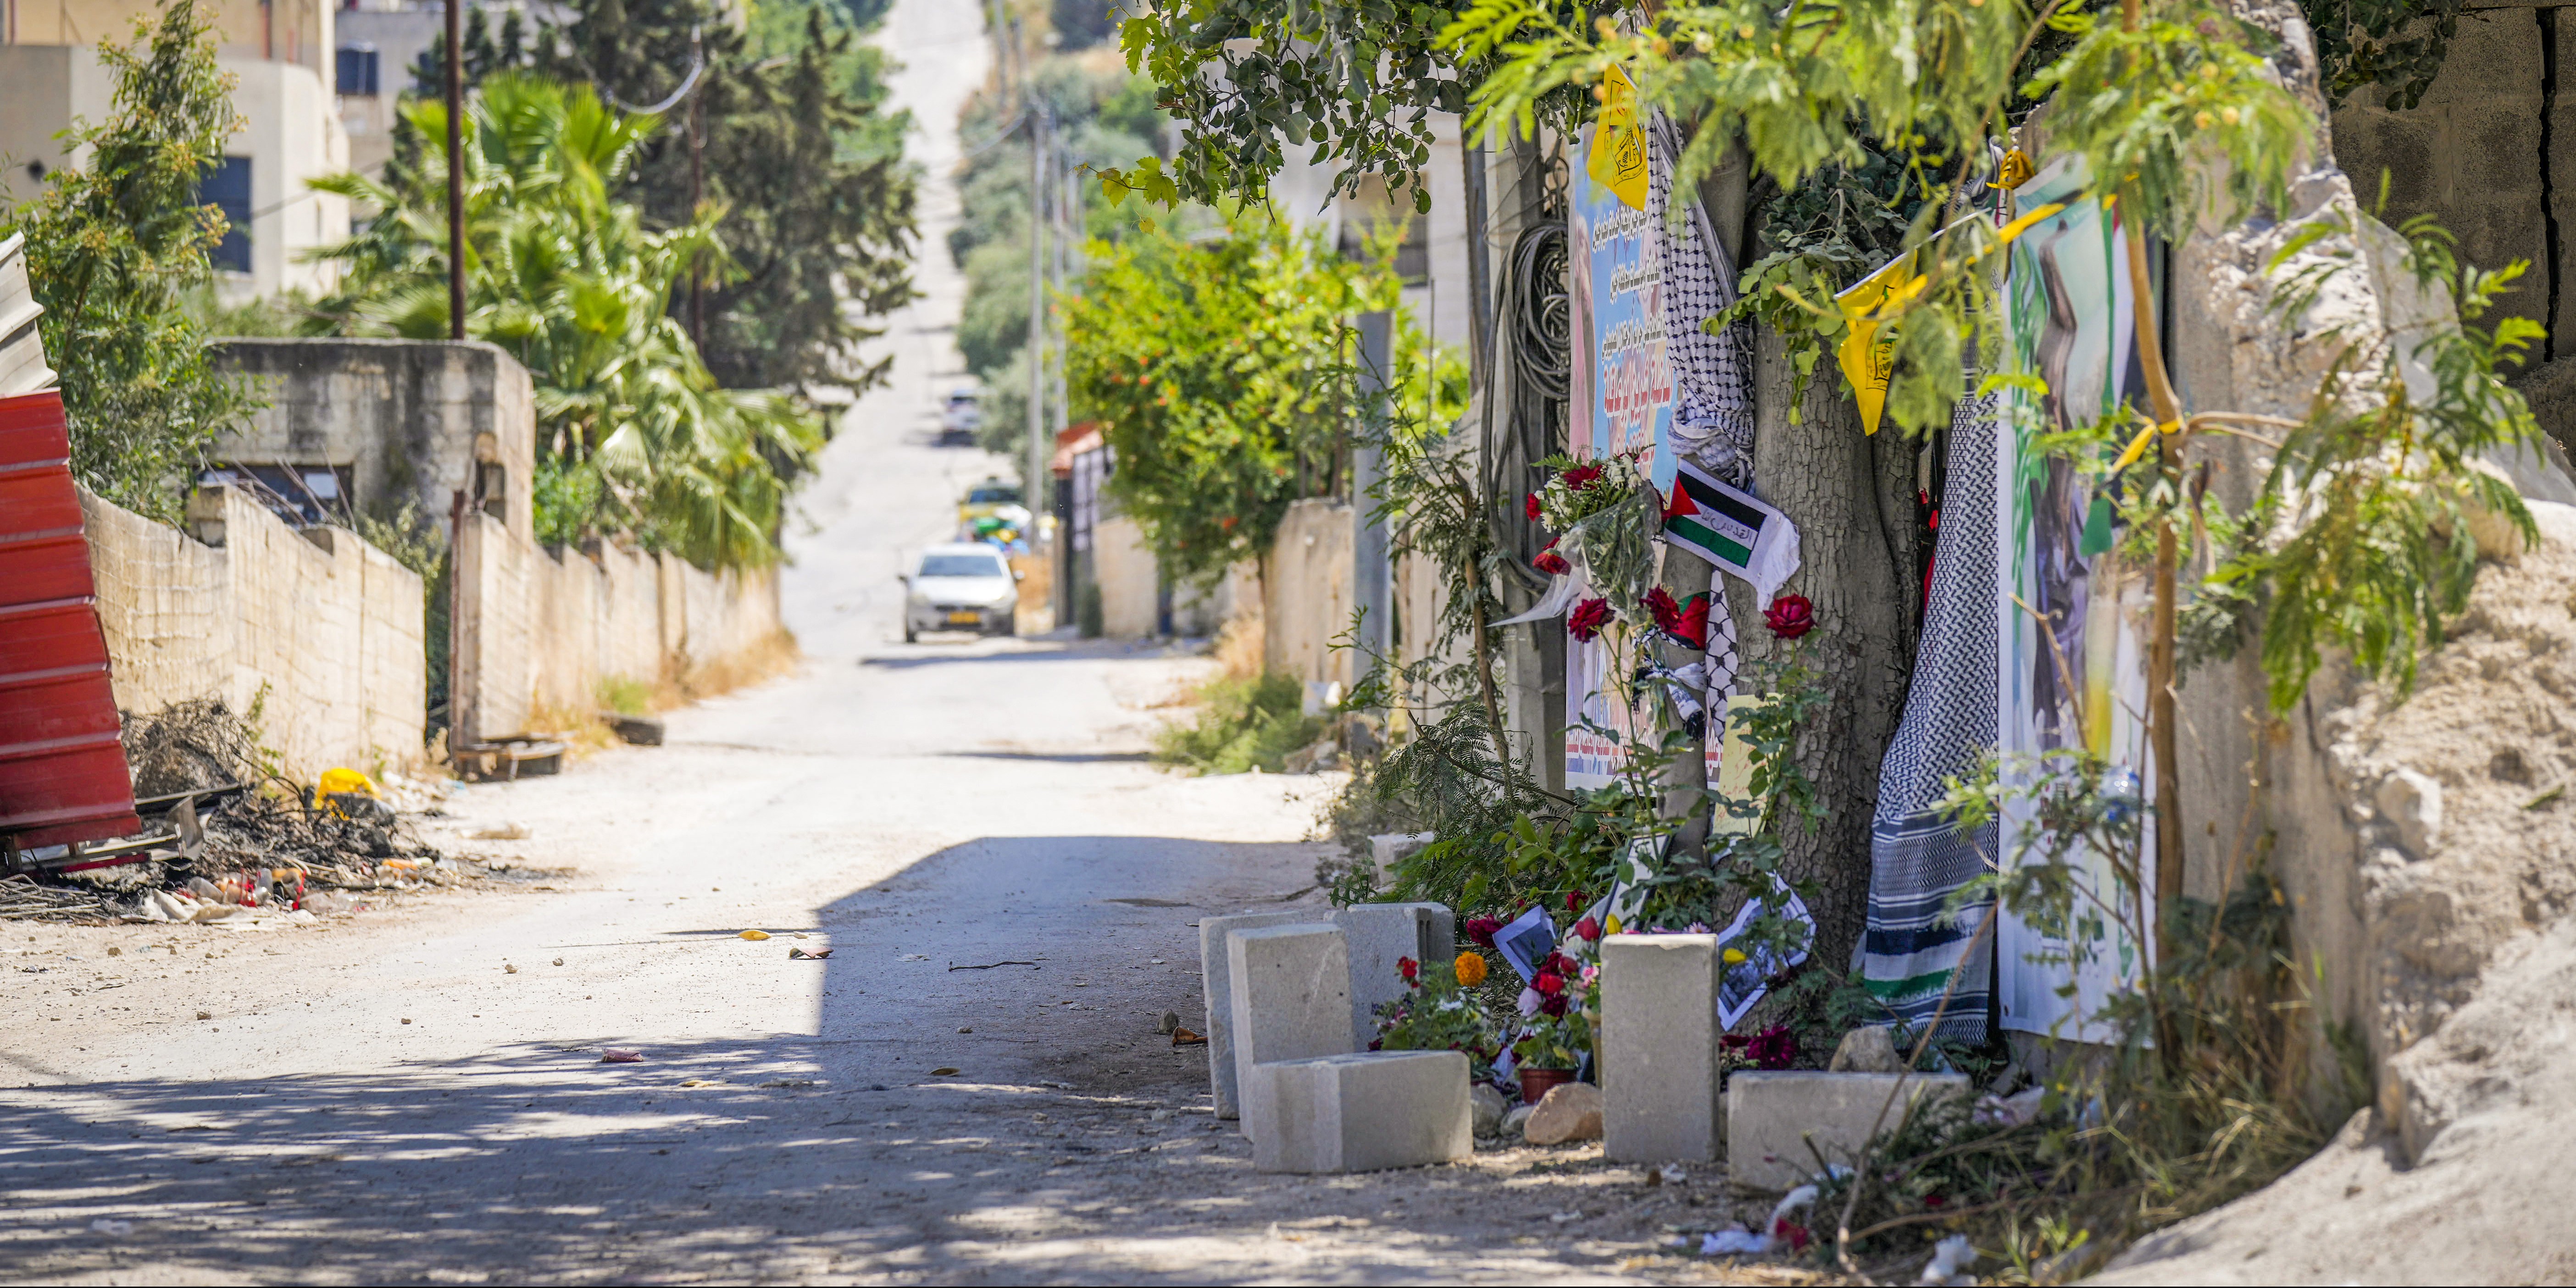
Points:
[(1581, 476), (1408, 968), (1587, 619), (1773, 1048), (1790, 616), (1667, 614), (1548, 983), (1796, 1234), (1588, 928), (1531, 508), (1481, 930), (1573, 900), (1555, 1004), (1551, 563)]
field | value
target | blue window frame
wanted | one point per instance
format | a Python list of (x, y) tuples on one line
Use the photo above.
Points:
[(227, 185)]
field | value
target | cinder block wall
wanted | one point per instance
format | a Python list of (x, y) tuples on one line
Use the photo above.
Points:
[(321, 631)]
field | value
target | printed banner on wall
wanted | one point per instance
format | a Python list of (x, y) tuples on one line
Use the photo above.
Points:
[(1622, 403), (2068, 319)]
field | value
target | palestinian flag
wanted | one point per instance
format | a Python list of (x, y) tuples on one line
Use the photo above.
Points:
[(1730, 529)]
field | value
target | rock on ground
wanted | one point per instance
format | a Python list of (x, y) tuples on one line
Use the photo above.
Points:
[(1570, 1111)]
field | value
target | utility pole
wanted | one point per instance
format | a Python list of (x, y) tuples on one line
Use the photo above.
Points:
[(697, 190), (455, 170), (1038, 453)]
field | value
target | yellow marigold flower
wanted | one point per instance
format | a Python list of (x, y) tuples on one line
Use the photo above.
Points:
[(1471, 969)]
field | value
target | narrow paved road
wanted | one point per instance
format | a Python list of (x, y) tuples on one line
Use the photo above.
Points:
[(416, 1094)]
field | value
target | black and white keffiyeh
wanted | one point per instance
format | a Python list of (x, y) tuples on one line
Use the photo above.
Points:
[(1712, 374)]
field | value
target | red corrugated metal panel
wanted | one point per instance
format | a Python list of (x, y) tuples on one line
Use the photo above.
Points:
[(62, 773)]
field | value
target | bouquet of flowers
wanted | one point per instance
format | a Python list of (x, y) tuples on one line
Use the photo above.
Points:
[(1558, 1033), (1437, 1014), (1582, 489)]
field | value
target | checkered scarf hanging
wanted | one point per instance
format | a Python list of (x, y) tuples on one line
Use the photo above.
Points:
[(1712, 374)]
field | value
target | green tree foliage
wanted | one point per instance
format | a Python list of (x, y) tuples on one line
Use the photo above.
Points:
[(1098, 116), (636, 436), (115, 247), (807, 172), (1221, 372), (1354, 82)]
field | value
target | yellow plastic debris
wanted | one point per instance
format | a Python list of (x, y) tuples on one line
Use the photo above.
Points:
[(755, 934), (336, 781)]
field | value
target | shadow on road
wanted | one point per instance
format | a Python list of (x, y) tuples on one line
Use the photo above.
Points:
[(759, 1159)]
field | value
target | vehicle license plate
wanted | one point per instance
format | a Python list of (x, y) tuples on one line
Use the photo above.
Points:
[(962, 619)]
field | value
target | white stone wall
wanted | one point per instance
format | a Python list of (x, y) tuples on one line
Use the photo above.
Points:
[(321, 632)]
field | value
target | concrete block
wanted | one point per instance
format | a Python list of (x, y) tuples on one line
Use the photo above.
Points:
[(1658, 1048), (1773, 1116), (1378, 934), (1362, 1112), (1291, 988), (1214, 974)]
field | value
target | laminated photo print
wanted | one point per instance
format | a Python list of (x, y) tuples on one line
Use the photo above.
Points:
[(1527, 942), (1743, 983)]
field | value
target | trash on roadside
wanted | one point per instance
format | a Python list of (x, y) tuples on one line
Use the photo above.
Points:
[(943, 1071), (755, 934), (112, 1229), (1668, 1174), (508, 969), (799, 954), (1171, 1023), (501, 832), (350, 794), (559, 961), (613, 1055), (1183, 1037), (1951, 1258), (1733, 1241)]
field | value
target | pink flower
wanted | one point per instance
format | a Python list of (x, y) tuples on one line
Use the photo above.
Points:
[(1587, 619), (1790, 616)]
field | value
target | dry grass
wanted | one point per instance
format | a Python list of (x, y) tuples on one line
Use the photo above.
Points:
[(766, 660)]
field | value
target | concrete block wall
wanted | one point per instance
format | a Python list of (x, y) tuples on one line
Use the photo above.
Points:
[(539, 629), (1306, 592), (320, 630)]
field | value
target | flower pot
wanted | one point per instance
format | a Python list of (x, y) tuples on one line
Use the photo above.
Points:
[(1536, 1083)]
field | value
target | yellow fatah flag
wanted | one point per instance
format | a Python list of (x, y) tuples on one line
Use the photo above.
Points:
[(1618, 158), (1868, 351)]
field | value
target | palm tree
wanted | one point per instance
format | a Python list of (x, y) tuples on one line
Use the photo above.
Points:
[(571, 283)]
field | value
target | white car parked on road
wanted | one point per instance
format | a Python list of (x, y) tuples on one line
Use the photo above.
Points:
[(960, 587)]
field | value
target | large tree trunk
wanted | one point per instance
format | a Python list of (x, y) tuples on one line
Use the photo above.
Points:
[(1852, 498)]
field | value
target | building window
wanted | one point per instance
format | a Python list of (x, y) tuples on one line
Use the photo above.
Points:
[(357, 69), (227, 185)]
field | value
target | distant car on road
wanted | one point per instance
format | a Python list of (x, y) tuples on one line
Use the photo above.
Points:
[(989, 499), (961, 415), (960, 587)]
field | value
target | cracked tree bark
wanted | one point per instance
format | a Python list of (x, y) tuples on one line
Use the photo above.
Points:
[(1852, 498)]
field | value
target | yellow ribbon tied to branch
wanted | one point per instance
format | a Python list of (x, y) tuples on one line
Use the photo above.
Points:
[(1618, 157)]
